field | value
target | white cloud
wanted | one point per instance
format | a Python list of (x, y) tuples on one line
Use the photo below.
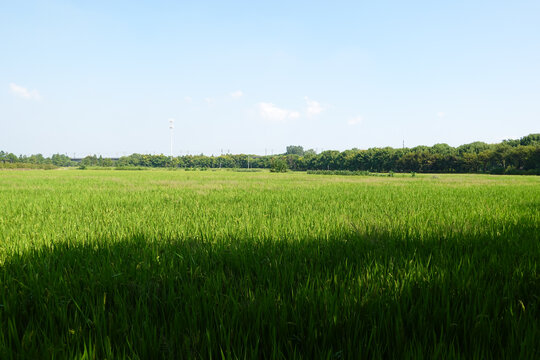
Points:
[(237, 94), (294, 115), (188, 99), (209, 101), (440, 114), (313, 107), (23, 92), (270, 111), (355, 120)]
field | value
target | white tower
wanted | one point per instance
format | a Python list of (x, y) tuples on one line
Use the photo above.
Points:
[(171, 127)]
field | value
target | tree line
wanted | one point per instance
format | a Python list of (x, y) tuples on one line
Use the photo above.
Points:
[(521, 156)]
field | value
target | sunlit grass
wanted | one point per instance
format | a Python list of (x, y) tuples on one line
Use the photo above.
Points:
[(173, 264)]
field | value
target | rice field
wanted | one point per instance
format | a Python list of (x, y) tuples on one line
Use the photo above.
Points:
[(221, 264)]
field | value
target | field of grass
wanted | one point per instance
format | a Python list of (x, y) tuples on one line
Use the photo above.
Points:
[(175, 264)]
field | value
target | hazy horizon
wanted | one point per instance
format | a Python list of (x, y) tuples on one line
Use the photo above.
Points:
[(268, 152)]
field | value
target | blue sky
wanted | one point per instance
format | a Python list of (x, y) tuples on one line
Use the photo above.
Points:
[(104, 77)]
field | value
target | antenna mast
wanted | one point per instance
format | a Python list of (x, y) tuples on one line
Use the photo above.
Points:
[(171, 128)]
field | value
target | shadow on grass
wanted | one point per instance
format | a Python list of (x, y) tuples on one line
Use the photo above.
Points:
[(344, 297)]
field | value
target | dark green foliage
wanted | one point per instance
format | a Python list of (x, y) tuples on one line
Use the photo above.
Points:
[(532, 139), (339, 172), (61, 160), (278, 165), (295, 150), (248, 170), (127, 167), (19, 165), (512, 156)]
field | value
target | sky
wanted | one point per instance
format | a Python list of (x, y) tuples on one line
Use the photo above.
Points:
[(105, 77)]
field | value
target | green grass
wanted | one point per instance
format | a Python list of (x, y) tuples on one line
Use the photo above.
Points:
[(220, 264)]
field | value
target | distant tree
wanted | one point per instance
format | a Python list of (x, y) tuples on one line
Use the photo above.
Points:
[(12, 158), (295, 150), (293, 162), (36, 159), (531, 139), (278, 164), (475, 147), (442, 149), (347, 159), (486, 159), (533, 162), (159, 160), (507, 157), (511, 142), (328, 160), (470, 162), (60, 160), (89, 161), (107, 162)]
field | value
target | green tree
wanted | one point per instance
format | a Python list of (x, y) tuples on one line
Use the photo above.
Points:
[(60, 160), (278, 164), (295, 150), (531, 139)]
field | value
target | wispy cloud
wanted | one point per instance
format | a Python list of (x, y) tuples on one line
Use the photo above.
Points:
[(23, 92), (271, 112), (441, 114), (355, 120), (188, 99), (313, 107), (237, 94), (209, 101)]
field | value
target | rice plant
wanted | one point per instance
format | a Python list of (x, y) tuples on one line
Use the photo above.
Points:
[(222, 264)]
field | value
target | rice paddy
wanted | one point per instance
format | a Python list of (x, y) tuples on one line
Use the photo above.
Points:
[(222, 264)]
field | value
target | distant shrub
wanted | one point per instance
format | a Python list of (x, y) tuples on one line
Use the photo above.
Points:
[(513, 171), (340, 172), (205, 168), (247, 170), (350, 173), (497, 171), (278, 165), (27, 166), (130, 168)]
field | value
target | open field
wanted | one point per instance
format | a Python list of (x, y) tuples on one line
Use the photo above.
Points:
[(175, 264)]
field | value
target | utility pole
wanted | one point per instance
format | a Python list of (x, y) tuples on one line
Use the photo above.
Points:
[(171, 128)]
